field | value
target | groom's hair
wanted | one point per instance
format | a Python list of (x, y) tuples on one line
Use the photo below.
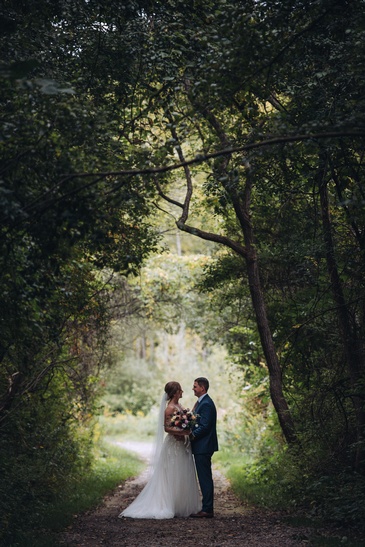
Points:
[(203, 382)]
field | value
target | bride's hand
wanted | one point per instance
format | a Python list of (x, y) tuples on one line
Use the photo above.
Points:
[(180, 434)]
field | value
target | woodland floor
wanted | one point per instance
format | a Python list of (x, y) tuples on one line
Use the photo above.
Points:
[(234, 524)]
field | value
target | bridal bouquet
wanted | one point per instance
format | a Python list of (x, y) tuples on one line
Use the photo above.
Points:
[(184, 419)]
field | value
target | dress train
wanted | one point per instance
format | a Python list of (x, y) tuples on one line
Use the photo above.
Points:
[(172, 490)]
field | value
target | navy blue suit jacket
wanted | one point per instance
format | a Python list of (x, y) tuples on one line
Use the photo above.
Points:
[(205, 435)]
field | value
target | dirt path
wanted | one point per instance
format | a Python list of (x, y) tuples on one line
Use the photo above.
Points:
[(234, 523)]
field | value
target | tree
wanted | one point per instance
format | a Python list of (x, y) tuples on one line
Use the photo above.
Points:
[(224, 104), (58, 234)]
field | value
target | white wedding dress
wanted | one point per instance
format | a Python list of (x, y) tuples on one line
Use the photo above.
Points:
[(172, 491)]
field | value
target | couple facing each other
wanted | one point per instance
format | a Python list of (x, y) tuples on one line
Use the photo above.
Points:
[(180, 457)]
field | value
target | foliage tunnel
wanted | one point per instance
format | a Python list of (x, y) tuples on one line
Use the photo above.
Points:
[(249, 115)]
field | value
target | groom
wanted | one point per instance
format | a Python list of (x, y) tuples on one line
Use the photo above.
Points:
[(203, 443)]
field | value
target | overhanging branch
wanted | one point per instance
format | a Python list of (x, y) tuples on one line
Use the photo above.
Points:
[(201, 158), (198, 159)]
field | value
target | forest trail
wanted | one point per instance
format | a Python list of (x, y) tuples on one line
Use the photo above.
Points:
[(234, 524)]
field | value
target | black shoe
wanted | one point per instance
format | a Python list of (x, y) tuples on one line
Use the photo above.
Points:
[(202, 515)]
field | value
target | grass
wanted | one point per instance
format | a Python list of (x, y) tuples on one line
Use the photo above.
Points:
[(226, 457), (125, 426), (112, 466), (262, 485)]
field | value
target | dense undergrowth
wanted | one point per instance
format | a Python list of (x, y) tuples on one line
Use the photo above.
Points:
[(39, 527), (282, 481)]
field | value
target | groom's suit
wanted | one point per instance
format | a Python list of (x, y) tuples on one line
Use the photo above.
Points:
[(204, 443)]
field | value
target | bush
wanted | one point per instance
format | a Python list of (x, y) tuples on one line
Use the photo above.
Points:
[(43, 449), (110, 467), (286, 481)]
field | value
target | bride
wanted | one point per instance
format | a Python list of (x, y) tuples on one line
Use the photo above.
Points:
[(172, 490)]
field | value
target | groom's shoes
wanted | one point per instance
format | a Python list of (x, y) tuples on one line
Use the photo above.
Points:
[(202, 515)]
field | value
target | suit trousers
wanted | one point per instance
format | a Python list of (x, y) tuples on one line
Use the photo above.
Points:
[(203, 464)]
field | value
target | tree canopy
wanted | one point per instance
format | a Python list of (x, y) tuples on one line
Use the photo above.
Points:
[(245, 122)]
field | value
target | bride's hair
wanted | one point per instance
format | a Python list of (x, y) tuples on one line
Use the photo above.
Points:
[(171, 388)]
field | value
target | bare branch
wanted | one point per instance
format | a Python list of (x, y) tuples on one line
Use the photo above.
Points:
[(163, 210), (165, 197), (181, 223), (189, 182), (209, 236)]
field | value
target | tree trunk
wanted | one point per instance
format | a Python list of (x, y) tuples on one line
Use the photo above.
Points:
[(352, 345), (248, 253), (242, 209)]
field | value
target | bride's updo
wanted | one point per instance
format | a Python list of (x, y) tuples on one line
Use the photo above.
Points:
[(171, 388)]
